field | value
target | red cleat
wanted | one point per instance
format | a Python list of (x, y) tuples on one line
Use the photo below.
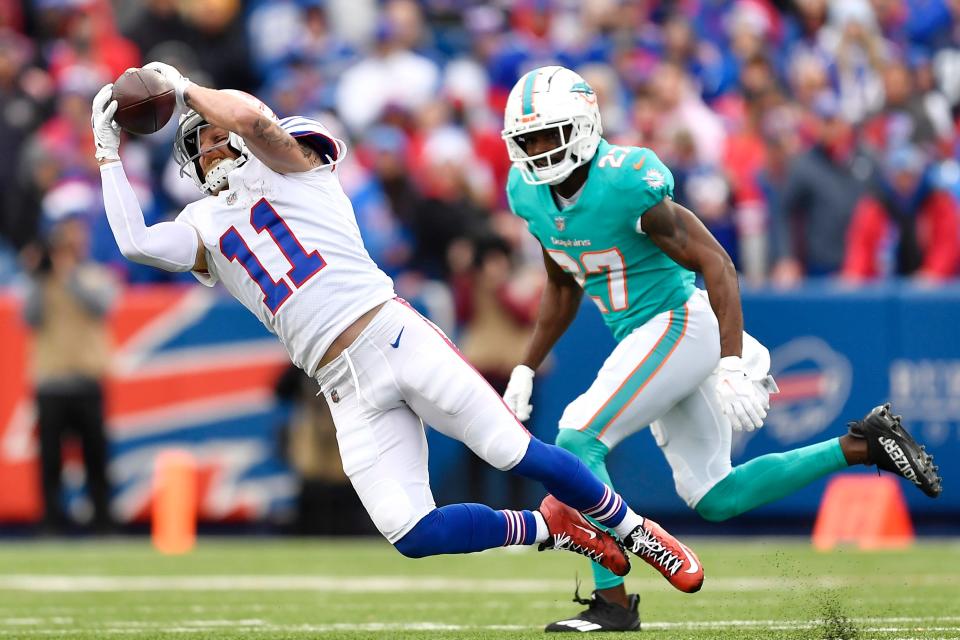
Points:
[(675, 560), (570, 531)]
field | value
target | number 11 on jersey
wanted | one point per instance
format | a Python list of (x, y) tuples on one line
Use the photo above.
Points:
[(303, 265)]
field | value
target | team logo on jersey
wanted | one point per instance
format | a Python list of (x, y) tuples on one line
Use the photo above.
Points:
[(653, 178), (334, 396), (560, 222)]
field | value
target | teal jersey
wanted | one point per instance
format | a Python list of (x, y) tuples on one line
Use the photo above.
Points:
[(598, 240)]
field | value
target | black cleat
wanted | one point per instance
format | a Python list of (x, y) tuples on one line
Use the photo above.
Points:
[(892, 449), (601, 615)]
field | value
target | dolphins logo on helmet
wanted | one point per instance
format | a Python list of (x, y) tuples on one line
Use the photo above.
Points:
[(545, 98), (186, 148)]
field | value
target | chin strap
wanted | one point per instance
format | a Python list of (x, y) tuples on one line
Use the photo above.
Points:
[(216, 178)]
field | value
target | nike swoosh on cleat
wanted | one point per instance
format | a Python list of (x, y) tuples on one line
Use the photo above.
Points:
[(396, 343), (593, 534), (694, 567)]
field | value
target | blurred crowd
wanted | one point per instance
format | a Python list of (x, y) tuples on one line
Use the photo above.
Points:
[(813, 137)]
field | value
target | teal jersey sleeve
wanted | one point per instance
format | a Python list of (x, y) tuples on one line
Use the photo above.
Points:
[(640, 176)]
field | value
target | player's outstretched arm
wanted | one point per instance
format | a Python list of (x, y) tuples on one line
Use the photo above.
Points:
[(266, 139), (172, 246), (681, 235), (231, 111)]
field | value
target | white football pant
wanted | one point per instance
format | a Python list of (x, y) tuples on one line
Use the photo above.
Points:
[(662, 375), (401, 369)]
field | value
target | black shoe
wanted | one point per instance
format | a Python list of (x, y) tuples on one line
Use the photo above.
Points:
[(892, 449), (601, 615)]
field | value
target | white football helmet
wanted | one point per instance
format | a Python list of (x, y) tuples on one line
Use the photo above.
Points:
[(545, 98), (186, 147)]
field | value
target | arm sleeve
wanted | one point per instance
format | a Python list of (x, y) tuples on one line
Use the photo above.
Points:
[(171, 246)]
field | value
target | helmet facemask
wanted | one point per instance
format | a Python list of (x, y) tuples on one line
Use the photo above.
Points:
[(576, 145), (187, 152)]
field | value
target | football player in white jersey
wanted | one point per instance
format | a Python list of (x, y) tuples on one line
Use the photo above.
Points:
[(278, 231)]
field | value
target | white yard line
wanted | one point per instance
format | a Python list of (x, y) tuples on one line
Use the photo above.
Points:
[(256, 626), (399, 584)]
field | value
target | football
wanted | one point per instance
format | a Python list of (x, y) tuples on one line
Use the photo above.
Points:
[(145, 101)]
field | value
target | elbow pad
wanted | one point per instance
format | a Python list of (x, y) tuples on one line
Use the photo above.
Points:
[(171, 246)]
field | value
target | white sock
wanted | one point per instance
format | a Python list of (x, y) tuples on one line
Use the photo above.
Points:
[(542, 532), (630, 522)]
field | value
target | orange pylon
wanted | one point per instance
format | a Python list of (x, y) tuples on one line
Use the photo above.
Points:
[(868, 510), (174, 522)]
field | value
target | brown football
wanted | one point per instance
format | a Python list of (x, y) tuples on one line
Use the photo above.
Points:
[(145, 101)]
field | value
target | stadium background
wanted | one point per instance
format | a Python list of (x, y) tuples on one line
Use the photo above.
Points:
[(763, 110)]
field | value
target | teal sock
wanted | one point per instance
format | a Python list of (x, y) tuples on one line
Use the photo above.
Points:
[(768, 478), (594, 455)]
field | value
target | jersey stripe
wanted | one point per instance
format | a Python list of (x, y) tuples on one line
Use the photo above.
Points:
[(323, 142), (298, 122), (528, 93), (642, 374)]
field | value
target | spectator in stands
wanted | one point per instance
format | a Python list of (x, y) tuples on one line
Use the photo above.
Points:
[(496, 306), (66, 305), (707, 71), (86, 37), (366, 175), (159, 22), (327, 505), (909, 115), (700, 59), (680, 107), (860, 52), (391, 77), (823, 186), (782, 144), (222, 46), (455, 187), (904, 226), (25, 93)]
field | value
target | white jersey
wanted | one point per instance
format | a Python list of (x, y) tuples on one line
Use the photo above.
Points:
[(288, 248)]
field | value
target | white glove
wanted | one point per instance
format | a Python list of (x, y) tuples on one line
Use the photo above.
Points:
[(174, 77), (106, 132), (519, 390), (744, 401)]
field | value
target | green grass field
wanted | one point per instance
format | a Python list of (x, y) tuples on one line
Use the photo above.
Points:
[(279, 588)]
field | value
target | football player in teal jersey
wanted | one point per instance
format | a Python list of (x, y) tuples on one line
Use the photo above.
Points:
[(608, 224)]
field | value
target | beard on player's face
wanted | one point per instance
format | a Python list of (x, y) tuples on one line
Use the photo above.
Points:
[(214, 148)]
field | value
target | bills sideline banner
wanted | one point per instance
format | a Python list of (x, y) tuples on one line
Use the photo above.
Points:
[(192, 369)]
